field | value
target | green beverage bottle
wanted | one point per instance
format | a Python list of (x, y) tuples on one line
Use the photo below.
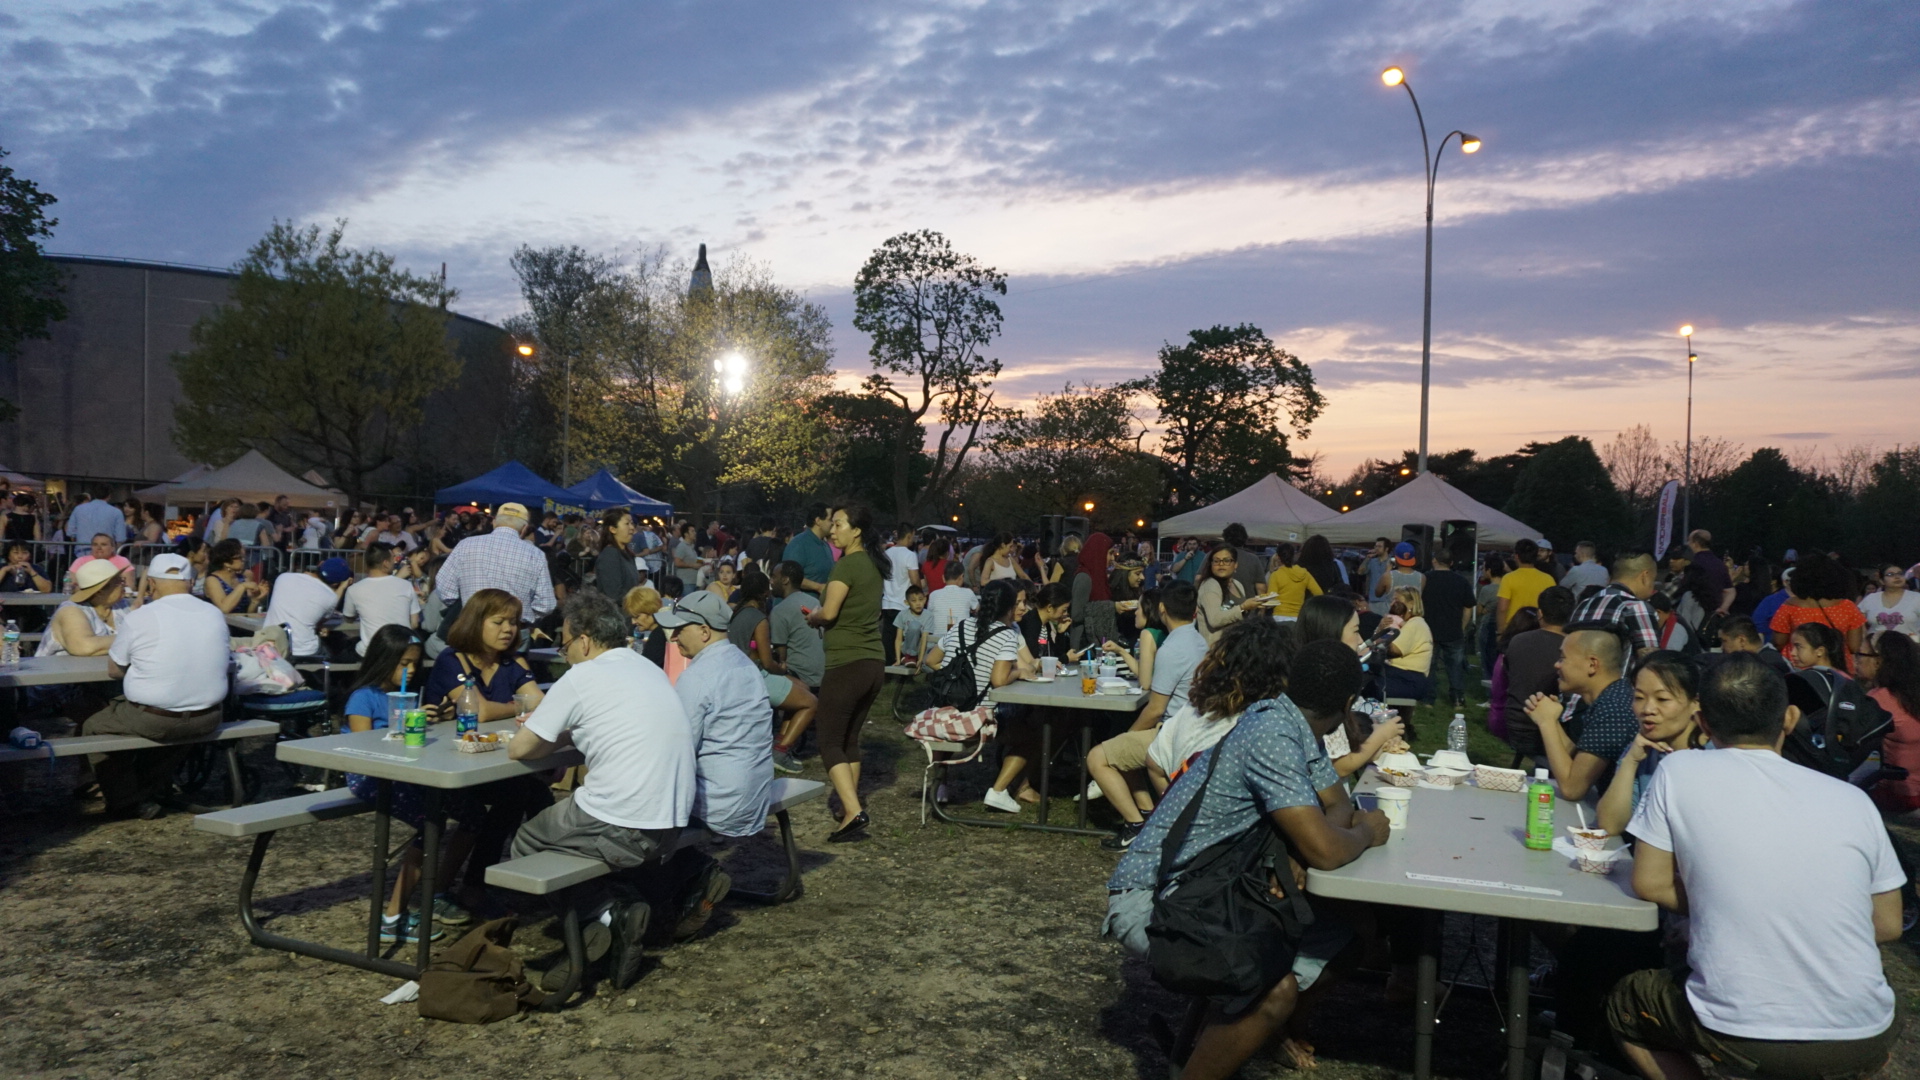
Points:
[(1540, 812), (413, 731)]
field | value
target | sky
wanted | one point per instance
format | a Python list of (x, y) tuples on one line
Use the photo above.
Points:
[(1138, 169)]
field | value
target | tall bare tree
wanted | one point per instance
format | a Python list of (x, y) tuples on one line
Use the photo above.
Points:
[(930, 312)]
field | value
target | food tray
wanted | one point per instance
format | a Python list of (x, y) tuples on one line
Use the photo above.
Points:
[(475, 743), (1401, 779), (1494, 778)]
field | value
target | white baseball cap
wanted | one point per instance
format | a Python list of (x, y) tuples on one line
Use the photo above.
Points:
[(170, 567)]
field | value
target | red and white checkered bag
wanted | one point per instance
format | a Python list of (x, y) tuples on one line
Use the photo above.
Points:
[(948, 724)]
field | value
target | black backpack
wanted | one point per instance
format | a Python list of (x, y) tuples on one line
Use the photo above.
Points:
[(954, 683), (1840, 726)]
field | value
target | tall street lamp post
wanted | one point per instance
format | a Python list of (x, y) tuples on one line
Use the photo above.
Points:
[(1430, 163), (1686, 482)]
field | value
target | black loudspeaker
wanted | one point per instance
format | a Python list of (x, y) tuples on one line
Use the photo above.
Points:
[(1461, 540), (1050, 535), (1421, 537)]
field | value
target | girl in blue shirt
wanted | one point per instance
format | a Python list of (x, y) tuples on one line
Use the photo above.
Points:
[(393, 657)]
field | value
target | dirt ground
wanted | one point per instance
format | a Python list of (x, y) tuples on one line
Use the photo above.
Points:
[(924, 952)]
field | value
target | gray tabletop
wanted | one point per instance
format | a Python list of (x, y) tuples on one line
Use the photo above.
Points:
[(1477, 835), (544, 656), (438, 764), (33, 599), (54, 670), (1063, 693)]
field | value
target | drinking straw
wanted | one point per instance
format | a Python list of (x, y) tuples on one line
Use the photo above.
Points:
[(1582, 811), (403, 680)]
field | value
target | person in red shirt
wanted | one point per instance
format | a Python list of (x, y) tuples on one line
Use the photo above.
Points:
[(1891, 664)]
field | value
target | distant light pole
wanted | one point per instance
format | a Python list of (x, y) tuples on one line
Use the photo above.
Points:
[(1686, 482), (1430, 163)]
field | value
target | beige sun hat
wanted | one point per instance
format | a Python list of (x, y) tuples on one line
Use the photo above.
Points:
[(91, 578)]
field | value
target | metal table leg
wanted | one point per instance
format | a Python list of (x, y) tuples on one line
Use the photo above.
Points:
[(382, 822), (1518, 936), (436, 819), (1427, 993), (1046, 759), (1080, 793)]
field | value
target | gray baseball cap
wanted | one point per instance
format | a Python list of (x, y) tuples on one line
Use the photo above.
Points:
[(701, 607)]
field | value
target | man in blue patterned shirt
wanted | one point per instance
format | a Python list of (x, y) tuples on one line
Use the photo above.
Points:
[(1581, 748)]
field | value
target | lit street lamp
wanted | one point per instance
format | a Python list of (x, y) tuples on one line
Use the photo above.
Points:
[(1430, 164), (1686, 482), (730, 371)]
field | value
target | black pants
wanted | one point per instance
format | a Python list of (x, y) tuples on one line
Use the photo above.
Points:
[(508, 803), (886, 635)]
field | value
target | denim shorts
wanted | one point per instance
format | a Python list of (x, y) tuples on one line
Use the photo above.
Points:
[(1129, 911)]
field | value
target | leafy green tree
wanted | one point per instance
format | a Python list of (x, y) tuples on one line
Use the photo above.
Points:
[(1566, 493), (1074, 447), (680, 392), (30, 286), (324, 359), (1228, 398), (1766, 502), (862, 432), (1887, 517), (930, 312)]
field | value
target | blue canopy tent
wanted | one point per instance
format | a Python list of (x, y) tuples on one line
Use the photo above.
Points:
[(604, 491), (512, 482)]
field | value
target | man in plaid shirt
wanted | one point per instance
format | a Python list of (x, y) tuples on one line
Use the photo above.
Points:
[(1623, 603), (502, 560)]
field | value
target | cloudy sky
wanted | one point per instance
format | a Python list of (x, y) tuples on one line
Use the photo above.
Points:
[(1137, 167)]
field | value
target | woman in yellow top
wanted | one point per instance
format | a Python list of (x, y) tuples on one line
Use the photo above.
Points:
[(1410, 657), (1292, 584)]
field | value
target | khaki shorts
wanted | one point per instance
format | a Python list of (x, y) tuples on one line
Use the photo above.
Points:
[(1650, 1009), (1129, 752)]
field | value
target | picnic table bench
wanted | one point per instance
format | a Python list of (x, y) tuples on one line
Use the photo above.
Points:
[(229, 733), (546, 872)]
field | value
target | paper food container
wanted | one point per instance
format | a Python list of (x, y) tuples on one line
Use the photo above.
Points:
[(1494, 778), (1113, 686), (1399, 778), (1451, 759), (474, 742), (1406, 763)]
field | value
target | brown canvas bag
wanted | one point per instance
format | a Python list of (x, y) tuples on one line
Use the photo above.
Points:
[(479, 979)]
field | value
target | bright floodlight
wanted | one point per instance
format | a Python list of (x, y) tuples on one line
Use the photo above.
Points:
[(732, 372), (526, 350), (1393, 76), (1687, 330), (1468, 144)]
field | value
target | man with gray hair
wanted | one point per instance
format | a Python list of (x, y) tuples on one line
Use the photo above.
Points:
[(503, 559), (623, 715), (1592, 668)]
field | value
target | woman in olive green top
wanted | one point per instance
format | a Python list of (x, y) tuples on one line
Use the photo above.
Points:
[(850, 611)]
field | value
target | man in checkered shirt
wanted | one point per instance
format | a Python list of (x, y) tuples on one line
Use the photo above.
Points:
[(1623, 603), (504, 560)]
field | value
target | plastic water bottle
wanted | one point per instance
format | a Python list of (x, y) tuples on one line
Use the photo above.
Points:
[(1457, 733), (1540, 812), (466, 709), (10, 645)]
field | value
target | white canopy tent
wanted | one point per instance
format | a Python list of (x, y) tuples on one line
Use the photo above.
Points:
[(160, 491), (1424, 500), (14, 481), (252, 478), (1271, 510)]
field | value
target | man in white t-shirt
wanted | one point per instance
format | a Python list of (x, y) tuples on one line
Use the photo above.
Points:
[(1894, 607), (950, 604), (620, 711), (172, 654), (1122, 765), (893, 593), (302, 600), (1790, 886), (380, 599)]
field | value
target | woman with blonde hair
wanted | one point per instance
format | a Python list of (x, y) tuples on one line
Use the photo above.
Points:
[(641, 603), (1409, 672)]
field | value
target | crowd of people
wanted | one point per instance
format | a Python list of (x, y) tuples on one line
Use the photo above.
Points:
[(1663, 691)]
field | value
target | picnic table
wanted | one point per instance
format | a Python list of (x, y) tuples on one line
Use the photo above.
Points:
[(1462, 851), (437, 767), (1063, 692), (33, 599), (55, 670)]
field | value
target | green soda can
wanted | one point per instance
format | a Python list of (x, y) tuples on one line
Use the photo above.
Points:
[(1540, 812), (413, 732)]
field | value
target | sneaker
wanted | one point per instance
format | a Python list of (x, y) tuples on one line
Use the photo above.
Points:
[(700, 904), (1093, 792), (1123, 837), (1000, 800), (448, 912), (629, 947), (404, 930), (597, 939), (785, 762)]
